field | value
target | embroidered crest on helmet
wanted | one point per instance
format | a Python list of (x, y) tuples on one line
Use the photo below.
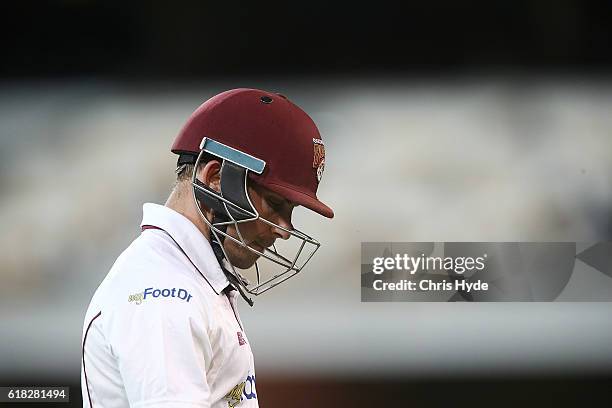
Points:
[(318, 161)]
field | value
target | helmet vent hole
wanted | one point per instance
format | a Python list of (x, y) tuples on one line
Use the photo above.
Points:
[(266, 99)]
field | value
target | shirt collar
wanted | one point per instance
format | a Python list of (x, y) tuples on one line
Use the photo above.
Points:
[(190, 239)]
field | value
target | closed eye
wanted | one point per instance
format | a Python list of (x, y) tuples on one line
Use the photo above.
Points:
[(275, 203)]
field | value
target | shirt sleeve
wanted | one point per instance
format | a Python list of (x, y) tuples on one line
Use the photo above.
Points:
[(162, 348)]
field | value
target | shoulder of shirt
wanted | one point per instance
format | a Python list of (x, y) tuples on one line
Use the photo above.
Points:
[(152, 263)]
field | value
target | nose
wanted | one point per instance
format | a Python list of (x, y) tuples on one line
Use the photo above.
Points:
[(281, 233)]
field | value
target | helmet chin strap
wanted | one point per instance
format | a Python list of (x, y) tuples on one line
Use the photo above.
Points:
[(217, 240)]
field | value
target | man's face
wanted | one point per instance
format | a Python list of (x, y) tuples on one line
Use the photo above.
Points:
[(257, 234)]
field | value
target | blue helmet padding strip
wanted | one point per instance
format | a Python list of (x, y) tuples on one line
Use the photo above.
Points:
[(235, 156)]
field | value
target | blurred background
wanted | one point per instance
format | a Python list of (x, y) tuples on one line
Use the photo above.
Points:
[(443, 121)]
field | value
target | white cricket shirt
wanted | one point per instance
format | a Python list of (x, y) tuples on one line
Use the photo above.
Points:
[(162, 329)]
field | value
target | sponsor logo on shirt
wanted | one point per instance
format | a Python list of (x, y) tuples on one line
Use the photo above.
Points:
[(136, 297), (241, 340), (245, 389), (235, 395), (149, 293)]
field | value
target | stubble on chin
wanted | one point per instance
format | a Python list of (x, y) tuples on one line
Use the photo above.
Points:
[(241, 257)]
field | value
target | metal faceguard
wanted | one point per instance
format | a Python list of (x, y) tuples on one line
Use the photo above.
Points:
[(232, 206)]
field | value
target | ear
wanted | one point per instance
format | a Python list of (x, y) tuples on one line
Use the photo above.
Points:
[(210, 174)]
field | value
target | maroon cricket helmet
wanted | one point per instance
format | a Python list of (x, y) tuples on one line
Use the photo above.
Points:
[(269, 127)]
